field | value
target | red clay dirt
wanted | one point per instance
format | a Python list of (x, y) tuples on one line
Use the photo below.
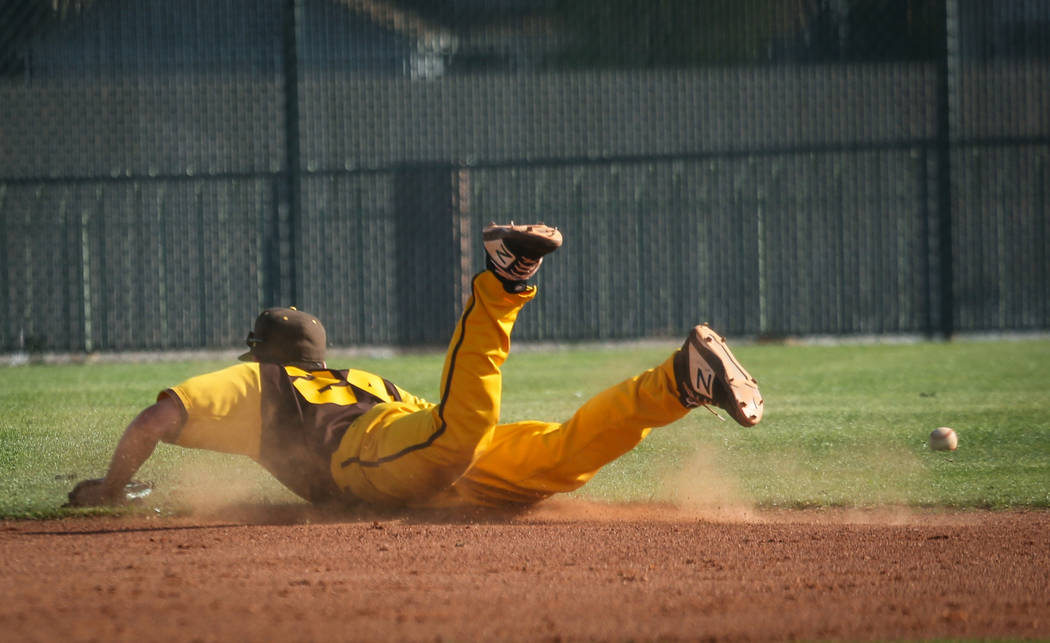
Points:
[(567, 570)]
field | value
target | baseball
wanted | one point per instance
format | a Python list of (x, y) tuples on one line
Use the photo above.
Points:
[(943, 438)]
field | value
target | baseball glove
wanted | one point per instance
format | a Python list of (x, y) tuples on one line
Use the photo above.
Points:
[(87, 493)]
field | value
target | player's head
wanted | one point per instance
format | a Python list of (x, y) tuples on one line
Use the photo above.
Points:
[(287, 336)]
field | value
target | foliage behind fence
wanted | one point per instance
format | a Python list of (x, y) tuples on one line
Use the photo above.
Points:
[(166, 173)]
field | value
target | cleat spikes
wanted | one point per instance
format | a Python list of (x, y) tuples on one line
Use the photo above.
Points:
[(514, 252)]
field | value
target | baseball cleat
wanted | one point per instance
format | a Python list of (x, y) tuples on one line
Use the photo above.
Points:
[(707, 372), (515, 252)]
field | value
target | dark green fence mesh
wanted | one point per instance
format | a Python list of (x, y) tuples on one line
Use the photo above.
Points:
[(831, 167)]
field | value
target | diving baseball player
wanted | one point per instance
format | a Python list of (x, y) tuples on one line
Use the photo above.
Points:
[(354, 437)]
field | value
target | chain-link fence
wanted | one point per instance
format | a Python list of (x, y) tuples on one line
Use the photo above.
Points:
[(777, 168)]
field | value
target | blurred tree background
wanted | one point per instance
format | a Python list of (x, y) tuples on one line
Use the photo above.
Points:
[(826, 167)]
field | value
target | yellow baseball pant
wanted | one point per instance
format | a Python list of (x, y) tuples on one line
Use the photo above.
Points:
[(418, 453)]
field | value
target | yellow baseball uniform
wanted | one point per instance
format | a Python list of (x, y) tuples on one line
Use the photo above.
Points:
[(355, 436)]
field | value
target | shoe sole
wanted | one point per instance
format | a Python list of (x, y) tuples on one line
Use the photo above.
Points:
[(712, 348), (536, 239)]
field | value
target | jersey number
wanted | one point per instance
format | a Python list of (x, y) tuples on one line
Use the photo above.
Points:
[(323, 388)]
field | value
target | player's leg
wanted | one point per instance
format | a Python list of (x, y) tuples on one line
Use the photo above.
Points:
[(524, 462), (398, 453), (528, 461)]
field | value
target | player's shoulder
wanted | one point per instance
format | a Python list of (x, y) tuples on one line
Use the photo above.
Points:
[(241, 370)]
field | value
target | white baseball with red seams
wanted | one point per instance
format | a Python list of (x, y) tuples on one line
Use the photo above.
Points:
[(944, 438)]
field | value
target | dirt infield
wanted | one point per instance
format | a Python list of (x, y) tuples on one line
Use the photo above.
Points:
[(568, 570)]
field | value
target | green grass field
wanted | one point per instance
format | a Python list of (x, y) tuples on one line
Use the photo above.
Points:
[(844, 426)]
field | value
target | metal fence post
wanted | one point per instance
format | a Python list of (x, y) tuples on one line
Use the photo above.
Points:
[(947, 113), (289, 289)]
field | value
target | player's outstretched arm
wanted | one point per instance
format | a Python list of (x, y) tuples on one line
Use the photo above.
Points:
[(161, 421)]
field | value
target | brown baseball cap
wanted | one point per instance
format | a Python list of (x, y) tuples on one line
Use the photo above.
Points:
[(287, 336)]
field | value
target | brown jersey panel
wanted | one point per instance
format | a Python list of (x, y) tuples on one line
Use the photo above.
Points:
[(305, 415)]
